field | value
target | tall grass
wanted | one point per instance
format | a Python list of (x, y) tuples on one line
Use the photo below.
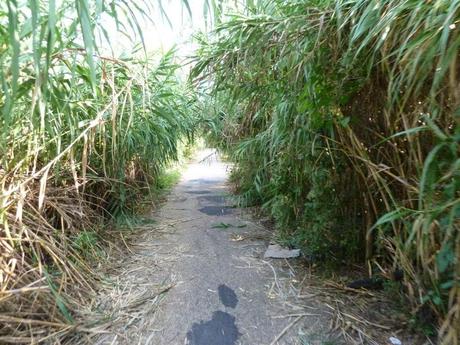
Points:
[(83, 136), (343, 119)]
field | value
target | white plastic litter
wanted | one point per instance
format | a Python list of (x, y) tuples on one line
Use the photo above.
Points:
[(277, 252), (395, 341)]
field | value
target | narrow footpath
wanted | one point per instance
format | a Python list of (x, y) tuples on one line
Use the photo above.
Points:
[(197, 275)]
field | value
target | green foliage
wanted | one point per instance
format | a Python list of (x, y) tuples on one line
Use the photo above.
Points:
[(87, 244), (166, 180), (276, 126), (58, 299)]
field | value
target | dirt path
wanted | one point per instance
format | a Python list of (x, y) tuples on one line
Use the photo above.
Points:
[(197, 276)]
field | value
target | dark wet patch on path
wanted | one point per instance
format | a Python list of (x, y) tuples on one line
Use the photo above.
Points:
[(220, 330), (216, 210), (227, 296), (198, 192)]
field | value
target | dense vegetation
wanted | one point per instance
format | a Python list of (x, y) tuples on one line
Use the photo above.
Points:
[(83, 136), (343, 119)]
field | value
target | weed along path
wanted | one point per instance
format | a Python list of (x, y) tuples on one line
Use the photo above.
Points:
[(197, 276)]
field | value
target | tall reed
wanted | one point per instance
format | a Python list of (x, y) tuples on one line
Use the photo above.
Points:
[(343, 119), (83, 136)]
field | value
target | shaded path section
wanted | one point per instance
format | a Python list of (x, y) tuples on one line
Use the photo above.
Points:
[(199, 274)]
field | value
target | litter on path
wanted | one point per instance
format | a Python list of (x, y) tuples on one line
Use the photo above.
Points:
[(277, 252)]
